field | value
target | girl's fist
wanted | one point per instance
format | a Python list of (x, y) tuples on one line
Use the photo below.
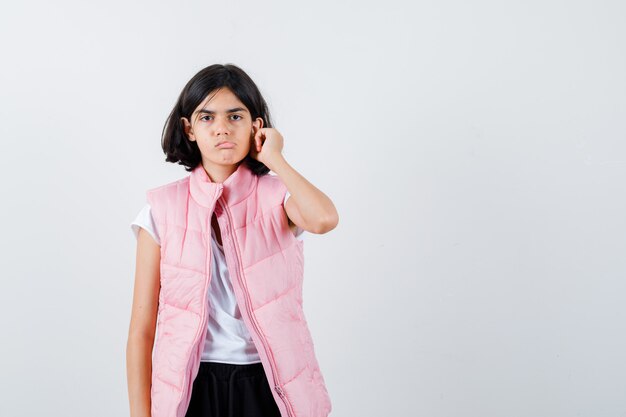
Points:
[(266, 144)]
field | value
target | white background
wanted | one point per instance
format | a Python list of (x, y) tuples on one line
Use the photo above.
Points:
[(475, 151)]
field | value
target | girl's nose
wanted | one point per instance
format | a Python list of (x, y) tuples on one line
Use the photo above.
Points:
[(221, 126)]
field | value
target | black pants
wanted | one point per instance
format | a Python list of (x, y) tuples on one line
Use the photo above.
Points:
[(231, 390)]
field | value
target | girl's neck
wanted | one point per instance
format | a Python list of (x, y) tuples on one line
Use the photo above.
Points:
[(219, 173)]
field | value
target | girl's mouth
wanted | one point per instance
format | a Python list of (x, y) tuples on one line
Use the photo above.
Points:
[(225, 145)]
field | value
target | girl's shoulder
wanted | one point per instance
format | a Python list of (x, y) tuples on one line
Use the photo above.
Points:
[(160, 197), (161, 192), (273, 181), (168, 185)]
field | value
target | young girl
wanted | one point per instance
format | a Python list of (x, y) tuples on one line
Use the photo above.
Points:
[(217, 325)]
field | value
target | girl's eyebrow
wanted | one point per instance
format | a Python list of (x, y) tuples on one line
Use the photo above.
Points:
[(236, 109)]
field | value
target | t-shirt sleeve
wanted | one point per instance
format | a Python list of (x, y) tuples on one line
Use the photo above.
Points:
[(145, 220), (299, 231)]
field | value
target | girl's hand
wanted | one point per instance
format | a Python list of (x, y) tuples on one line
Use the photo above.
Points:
[(266, 145)]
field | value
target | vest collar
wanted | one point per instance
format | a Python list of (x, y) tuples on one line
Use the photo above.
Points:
[(235, 188)]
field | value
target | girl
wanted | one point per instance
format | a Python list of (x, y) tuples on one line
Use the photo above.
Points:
[(217, 325)]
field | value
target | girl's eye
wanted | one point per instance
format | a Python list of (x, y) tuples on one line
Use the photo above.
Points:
[(234, 115)]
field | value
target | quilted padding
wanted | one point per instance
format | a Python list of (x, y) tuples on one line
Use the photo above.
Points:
[(266, 265)]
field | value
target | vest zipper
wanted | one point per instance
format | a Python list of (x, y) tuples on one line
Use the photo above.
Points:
[(209, 257), (268, 353)]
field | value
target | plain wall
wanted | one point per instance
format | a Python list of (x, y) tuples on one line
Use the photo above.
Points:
[(475, 152)]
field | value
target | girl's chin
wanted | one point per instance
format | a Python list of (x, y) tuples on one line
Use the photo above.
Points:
[(227, 158)]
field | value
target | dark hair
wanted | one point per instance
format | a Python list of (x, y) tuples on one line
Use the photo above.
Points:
[(177, 147)]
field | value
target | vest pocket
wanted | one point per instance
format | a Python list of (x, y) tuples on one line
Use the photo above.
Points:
[(177, 331)]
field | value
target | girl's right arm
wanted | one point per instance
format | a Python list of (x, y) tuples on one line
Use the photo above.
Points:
[(143, 324)]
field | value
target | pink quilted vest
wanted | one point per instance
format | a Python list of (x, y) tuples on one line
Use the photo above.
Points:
[(265, 262)]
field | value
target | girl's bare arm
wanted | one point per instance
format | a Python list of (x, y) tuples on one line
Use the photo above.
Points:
[(143, 324), (307, 206)]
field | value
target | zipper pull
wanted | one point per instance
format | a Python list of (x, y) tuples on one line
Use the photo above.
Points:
[(280, 392)]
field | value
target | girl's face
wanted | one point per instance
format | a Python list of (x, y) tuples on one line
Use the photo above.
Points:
[(222, 117)]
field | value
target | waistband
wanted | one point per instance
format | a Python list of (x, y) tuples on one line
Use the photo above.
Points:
[(224, 371)]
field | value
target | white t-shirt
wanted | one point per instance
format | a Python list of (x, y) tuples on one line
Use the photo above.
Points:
[(227, 339)]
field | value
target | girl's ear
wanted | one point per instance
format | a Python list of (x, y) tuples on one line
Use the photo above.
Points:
[(187, 128), (258, 124)]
